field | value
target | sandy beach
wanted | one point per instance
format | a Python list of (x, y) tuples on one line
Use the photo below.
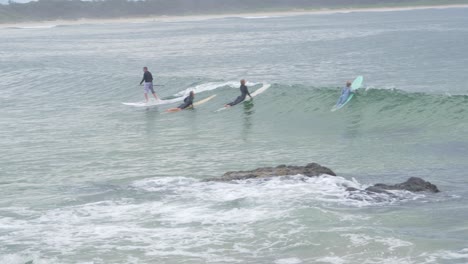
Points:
[(324, 11)]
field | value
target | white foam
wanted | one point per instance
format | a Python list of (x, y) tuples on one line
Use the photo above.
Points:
[(22, 259), (447, 255), (158, 184), (184, 218), (393, 243), (288, 261), (359, 240), (332, 259), (317, 189), (211, 86), (37, 27), (258, 17)]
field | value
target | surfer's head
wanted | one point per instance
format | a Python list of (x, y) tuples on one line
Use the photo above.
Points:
[(145, 69), (242, 82), (192, 93), (348, 83)]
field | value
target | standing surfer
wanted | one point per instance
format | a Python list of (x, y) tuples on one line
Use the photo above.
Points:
[(240, 98), (188, 101), (148, 79), (345, 92)]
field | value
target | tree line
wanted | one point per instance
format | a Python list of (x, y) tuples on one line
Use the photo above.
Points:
[(75, 9)]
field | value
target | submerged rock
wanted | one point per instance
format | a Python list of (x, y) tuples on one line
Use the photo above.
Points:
[(413, 184), (310, 170), (381, 192)]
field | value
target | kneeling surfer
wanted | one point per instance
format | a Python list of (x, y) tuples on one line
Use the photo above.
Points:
[(188, 101), (240, 98)]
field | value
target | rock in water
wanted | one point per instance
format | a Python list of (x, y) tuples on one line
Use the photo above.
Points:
[(310, 170), (413, 184)]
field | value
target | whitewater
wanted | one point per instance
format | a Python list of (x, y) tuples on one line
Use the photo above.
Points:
[(85, 179)]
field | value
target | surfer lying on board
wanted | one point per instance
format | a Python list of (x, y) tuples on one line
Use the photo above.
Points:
[(148, 79), (344, 93), (240, 98), (188, 101)]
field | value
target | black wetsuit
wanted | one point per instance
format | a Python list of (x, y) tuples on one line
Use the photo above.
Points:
[(188, 101), (240, 98), (147, 77)]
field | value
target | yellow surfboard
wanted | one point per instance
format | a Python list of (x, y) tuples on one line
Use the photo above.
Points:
[(203, 101)]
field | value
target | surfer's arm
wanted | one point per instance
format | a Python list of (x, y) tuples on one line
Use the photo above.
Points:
[(142, 80)]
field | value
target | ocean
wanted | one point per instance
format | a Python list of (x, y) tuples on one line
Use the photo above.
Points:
[(85, 179)]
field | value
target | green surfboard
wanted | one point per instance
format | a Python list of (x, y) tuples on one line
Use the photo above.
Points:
[(357, 83)]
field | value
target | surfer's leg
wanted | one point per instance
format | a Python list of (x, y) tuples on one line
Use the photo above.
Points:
[(152, 91), (173, 110), (340, 100), (183, 106), (147, 89), (238, 100), (343, 98)]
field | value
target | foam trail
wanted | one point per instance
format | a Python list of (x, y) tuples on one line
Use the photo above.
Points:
[(36, 27), (211, 86), (323, 188), (258, 17)]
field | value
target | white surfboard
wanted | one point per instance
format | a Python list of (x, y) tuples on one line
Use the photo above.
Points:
[(257, 92)]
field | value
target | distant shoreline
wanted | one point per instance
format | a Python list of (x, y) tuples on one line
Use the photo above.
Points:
[(260, 14)]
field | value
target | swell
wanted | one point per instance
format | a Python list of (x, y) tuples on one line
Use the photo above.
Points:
[(373, 106)]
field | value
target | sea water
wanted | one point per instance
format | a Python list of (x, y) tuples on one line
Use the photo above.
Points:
[(86, 179)]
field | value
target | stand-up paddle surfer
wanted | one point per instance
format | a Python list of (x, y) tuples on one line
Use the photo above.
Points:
[(240, 98), (148, 79), (188, 101)]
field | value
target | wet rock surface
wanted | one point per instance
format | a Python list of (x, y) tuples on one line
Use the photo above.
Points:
[(310, 170), (413, 184)]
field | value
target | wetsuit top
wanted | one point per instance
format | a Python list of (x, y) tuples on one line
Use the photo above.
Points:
[(188, 101), (244, 91), (240, 98), (147, 77)]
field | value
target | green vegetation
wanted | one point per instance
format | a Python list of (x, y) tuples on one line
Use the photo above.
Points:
[(98, 9)]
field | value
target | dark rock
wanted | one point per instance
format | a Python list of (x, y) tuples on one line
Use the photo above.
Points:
[(413, 184), (351, 189), (310, 170), (374, 189)]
